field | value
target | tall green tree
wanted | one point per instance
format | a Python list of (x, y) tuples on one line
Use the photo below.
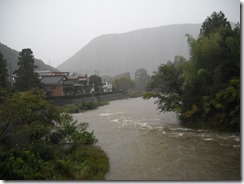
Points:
[(215, 58), (26, 77), (141, 79), (123, 84), (214, 23), (96, 82), (3, 72), (167, 86)]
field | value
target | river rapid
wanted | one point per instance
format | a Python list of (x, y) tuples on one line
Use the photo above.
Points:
[(143, 144)]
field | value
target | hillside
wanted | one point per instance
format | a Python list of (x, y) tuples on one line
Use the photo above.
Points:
[(113, 54), (11, 57)]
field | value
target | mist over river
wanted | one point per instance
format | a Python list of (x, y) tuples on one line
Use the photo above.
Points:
[(143, 144)]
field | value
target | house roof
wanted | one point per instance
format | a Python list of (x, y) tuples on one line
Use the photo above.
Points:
[(53, 79), (79, 85)]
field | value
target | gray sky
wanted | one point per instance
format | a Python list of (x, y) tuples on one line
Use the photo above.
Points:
[(56, 29)]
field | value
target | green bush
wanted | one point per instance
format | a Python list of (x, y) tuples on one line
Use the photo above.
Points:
[(83, 106), (39, 141), (71, 108)]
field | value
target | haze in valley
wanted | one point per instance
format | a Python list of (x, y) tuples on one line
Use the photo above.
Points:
[(56, 30)]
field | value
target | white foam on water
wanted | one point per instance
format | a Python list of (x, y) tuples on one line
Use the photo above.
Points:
[(182, 129), (207, 139), (237, 139), (175, 135), (106, 114), (123, 124)]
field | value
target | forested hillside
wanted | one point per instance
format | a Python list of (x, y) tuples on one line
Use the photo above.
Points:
[(113, 54)]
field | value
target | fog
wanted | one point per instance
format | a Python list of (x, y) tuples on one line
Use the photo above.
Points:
[(55, 30)]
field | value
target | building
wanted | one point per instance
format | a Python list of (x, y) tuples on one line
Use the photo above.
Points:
[(107, 86), (57, 85), (80, 83)]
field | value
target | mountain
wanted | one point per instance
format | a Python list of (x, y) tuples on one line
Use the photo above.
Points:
[(11, 57), (113, 54)]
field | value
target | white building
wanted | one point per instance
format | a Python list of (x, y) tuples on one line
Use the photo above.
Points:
[(107, 86)]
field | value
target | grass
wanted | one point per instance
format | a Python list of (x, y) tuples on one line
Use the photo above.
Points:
[(86, 162)]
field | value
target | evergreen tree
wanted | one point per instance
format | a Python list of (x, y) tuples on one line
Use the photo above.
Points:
[(26, 77), (214, 23), (3, 72)]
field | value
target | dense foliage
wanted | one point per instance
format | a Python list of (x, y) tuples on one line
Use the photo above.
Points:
[(96, 83), (204, 91), (123, 84), (83, 106), (38, 141), (26, 78), (141, 79), (3, 72)]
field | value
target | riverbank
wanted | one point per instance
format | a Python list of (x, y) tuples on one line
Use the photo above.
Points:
[(83, 106), (95, 102), (64, 100)]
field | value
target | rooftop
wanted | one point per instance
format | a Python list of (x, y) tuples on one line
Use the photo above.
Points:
[(54, 79)]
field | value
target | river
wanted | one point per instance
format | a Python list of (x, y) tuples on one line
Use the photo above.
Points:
[(143, 144)]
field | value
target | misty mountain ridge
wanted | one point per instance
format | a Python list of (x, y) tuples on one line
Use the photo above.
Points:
[(11, 56), (113, 54)]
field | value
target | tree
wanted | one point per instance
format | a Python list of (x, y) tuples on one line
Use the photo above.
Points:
[(26, 77), (214, 23), (123, 84), (212, 88), (3, 72), (26, 119), (166, 85), (141, 79), (96, 82), (204, 91)]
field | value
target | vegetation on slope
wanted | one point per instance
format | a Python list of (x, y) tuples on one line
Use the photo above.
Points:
[(11, 57)]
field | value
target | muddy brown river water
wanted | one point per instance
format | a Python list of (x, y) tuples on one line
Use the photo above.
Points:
[(143, 144)]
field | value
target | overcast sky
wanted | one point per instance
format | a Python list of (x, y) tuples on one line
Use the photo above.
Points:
[(56, 29)]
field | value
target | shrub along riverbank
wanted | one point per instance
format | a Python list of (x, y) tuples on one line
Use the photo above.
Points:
[(39, 141), (83, 106)]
